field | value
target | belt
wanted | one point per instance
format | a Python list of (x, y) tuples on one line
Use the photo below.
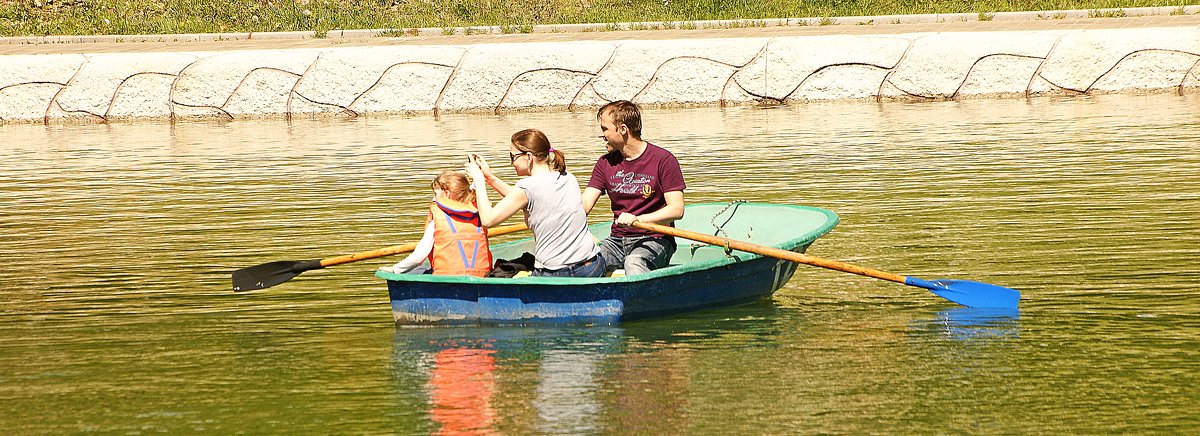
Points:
[(573, 265)]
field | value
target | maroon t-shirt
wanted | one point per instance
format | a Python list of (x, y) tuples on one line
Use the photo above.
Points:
[(637, 186)]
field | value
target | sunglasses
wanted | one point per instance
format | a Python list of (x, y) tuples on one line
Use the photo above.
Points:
[(512, 158)]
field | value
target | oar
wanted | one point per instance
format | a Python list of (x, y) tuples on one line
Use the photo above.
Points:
[(966, 293), (274, 273)]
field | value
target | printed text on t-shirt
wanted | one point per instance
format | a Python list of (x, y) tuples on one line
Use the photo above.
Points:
[(632, 183)]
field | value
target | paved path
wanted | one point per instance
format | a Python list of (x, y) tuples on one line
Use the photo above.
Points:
[(900, 24)]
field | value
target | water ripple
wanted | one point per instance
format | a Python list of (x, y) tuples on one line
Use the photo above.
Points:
[(119, 241)]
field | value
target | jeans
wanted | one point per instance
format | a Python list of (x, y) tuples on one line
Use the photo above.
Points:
[(593, 267), (637, 254)]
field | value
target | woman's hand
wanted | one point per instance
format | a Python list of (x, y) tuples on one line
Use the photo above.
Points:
[(486, 177), (482, 164), (472, 168)]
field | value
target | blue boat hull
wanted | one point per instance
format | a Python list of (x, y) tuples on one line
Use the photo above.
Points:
[(416, 303)]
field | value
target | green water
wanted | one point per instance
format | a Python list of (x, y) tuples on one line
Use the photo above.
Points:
[(116, 313)]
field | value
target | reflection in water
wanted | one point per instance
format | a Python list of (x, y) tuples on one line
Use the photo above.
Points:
[(551, 376), (648, 391), (967, 323), (488, 380), (460, 390), (566, 396)]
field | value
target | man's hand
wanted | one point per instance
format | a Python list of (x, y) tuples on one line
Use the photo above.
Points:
[(626, 218)]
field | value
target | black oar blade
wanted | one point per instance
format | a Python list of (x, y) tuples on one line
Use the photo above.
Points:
[(976, 294), (270, 274)]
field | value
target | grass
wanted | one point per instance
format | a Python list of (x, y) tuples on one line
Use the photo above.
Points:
[(117, 17), (1118, 13)]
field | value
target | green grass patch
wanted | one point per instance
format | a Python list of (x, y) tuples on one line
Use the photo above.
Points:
[(114, 17), (1117, 13)]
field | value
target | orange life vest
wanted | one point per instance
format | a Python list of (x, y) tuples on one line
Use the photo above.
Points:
[(460, 242)]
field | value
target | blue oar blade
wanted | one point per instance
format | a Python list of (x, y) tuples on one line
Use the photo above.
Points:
[(975, 294)]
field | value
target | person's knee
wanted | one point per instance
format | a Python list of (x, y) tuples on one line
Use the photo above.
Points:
[(612, 254), (642, 261), (636, 265), (648, 256)]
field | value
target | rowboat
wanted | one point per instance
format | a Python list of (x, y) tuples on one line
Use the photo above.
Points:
[(699, 276)]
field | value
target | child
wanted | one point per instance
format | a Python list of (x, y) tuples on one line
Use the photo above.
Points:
[(454, 242)]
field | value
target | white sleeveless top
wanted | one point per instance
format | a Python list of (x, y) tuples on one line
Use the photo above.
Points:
[(555, 215)]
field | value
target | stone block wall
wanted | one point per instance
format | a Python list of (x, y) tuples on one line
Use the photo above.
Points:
[(499, 77)]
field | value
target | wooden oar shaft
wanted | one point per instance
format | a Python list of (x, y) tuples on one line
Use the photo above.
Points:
[(386, 251), (771, 251), (405, 248)]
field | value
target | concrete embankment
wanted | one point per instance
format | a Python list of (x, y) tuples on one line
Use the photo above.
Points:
[(780, 61)]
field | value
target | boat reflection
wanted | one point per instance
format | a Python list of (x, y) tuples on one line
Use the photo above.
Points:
[(566, 399), (460, 390), (495, 380), (565, 380)]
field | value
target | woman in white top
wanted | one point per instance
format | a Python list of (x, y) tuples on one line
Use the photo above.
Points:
[(553, 206)]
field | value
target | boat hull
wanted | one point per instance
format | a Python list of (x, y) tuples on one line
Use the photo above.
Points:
[(591, 303)]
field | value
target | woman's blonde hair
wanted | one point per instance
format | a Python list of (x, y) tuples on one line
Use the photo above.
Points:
[(456, 185), (536, 143)]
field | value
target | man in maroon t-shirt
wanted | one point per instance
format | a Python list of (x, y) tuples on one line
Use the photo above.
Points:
[(643, 182)]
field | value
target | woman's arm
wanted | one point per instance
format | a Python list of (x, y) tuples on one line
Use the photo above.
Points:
[(500, 186), (492, 216), (508, 206)]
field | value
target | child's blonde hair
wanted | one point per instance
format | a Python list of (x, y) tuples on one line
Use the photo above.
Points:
[(456, 185)]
